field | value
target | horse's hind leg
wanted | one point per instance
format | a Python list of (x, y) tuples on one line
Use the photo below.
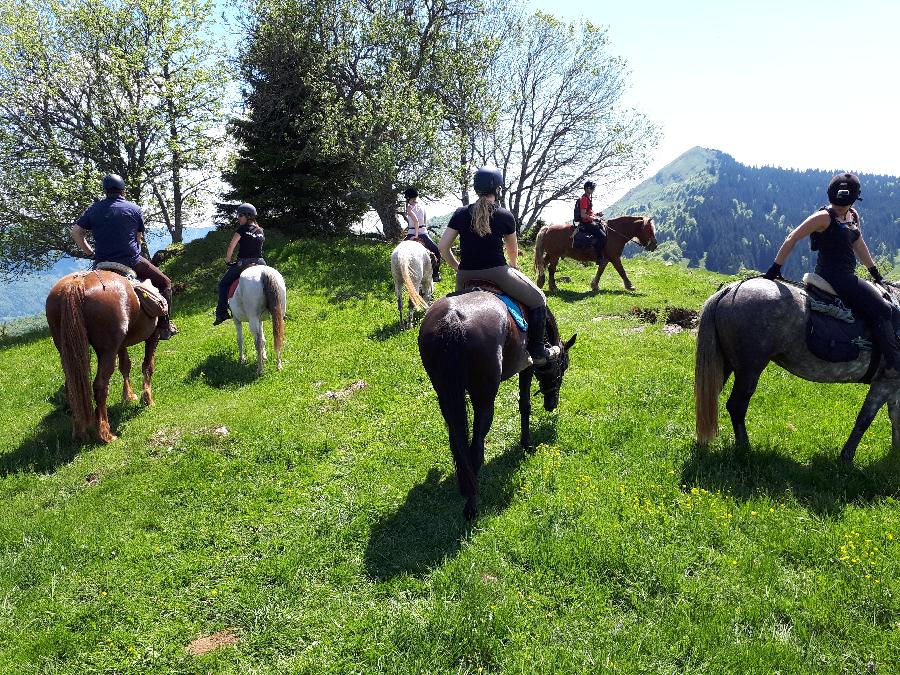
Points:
[(106, 366), (147, 369), (259, 340), (125, 368), (894, 412), (879, 392), (551, 269), (240, 340), (453, 408), (745, 381)]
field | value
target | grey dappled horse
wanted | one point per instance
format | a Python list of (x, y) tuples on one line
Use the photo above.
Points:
[(747, 324)]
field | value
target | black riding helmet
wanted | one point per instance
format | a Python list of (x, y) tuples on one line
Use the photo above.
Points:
[(844, 189), (488, 181), (246, 209), (411, 193), (113, 183), (590, 185)]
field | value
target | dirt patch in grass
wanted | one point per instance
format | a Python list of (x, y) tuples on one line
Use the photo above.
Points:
[(681, 316), (644, 314), (206, 644)]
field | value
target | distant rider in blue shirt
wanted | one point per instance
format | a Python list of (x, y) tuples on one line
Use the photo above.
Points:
[(118, 227)]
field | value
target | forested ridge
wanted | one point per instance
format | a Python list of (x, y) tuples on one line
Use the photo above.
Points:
[(715, 212)]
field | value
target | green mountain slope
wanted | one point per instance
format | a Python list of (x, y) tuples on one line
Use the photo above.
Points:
[(713, 211), (324, 528)]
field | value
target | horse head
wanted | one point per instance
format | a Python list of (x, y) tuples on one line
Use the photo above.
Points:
[(646, 234), (550, 377)]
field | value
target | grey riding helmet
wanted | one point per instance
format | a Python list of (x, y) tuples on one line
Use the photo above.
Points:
[(246, 209)]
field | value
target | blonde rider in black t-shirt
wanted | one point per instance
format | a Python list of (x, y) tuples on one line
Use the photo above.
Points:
[(484, 230)]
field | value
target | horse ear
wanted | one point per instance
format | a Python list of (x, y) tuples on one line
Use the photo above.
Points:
[(571, 341)]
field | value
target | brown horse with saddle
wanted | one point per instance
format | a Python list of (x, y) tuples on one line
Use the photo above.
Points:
[(101, 309), (556, 241)]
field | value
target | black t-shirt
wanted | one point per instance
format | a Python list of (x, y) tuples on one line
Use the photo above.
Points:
[(481, 253), (251, 243)]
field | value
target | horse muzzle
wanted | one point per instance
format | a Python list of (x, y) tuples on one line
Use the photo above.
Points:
[(651, 245)]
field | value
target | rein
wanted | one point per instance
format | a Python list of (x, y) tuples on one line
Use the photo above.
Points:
[(627, 238)]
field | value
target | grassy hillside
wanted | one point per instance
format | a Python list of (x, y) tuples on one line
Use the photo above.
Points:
[(325, 531)]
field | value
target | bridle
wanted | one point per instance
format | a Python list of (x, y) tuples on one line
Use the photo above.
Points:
[(557, 378), (634, 236)]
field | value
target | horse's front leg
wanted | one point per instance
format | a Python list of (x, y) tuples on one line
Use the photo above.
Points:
[(240, 340), (106, 366), (595, 284), (147, 369), (525, 408), (879, 392), (125, 368), (617, 263)]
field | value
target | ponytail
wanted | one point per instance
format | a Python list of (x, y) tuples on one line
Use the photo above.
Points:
[(481, 222)]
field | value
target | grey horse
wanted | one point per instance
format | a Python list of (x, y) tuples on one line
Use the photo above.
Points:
[(747, 324)]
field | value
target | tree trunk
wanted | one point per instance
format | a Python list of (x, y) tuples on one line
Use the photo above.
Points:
[(177, 197), (464, 168), (386, 208)]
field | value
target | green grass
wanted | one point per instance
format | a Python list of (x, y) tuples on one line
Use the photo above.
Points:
[(329, 532)]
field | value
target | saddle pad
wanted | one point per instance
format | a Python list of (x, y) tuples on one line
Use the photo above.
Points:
[(833, 338), (515, 311), (233, 287), (118, 268)]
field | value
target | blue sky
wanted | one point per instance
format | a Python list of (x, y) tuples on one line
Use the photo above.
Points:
[(796, 83)]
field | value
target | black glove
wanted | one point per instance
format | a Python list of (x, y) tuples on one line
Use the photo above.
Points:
[(774, 272), (876, 275)]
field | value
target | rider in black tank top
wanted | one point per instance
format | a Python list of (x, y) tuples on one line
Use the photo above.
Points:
[(834, 232)]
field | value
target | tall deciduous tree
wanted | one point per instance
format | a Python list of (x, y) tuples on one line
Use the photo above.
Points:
[(368, 91), (95, 86), (561, 120)]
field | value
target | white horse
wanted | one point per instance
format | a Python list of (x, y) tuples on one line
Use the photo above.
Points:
[(411, 267), (261, 293)]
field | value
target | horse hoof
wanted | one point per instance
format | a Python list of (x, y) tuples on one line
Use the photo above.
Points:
[(847, 456), (630, 288), (529, 448), (130, 397), (280, 367), (147, 400)]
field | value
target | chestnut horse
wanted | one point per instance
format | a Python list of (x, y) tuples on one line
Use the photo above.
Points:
[(98, 309), (555, 241)]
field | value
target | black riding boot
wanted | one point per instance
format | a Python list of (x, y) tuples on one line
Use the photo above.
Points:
[(166, 328), (537, 331), (435, 268), (883, 333)]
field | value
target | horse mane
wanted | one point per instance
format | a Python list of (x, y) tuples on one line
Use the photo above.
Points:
[(552, 328)]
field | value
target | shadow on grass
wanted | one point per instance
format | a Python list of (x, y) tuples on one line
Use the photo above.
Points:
[(429, 526), (824, 485), (388, 331), (31, 335), (224, 371), (51, 445)]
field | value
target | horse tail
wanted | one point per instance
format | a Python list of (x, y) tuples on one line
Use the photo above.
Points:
[(709, 372), (539, 251), (405, 260), (75, 355), (275, 305)]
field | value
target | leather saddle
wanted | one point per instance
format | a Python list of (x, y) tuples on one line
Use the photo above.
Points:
[(152, 302)]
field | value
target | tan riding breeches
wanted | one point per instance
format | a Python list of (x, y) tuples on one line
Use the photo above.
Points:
[(511, 281)]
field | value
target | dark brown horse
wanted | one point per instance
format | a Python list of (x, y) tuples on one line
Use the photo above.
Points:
[(555, 241), (468, 344), (101, 310)]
